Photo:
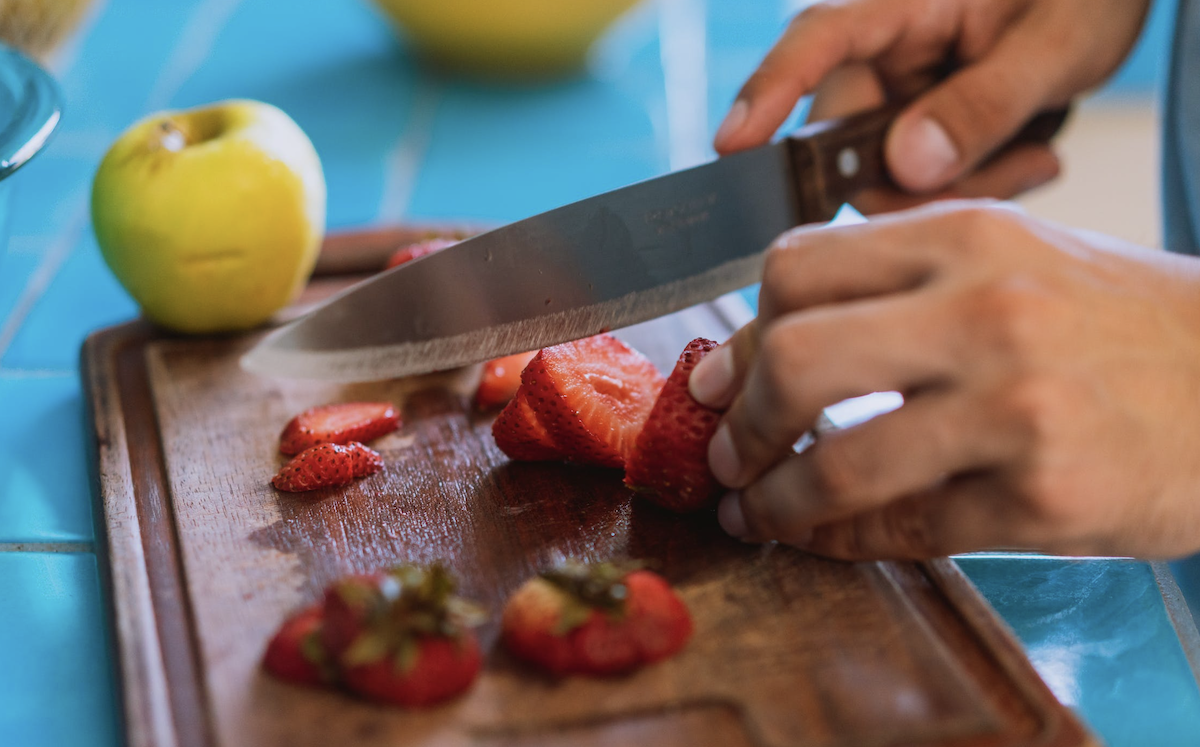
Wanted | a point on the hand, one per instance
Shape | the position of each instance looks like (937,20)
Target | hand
(1013,59)
(1051,382)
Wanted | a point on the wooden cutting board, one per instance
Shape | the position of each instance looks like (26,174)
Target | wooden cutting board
(204,559)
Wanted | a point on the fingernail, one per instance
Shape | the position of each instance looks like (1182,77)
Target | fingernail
(712,377)
(723,458)
(924,157)
(733,121)
(731,518)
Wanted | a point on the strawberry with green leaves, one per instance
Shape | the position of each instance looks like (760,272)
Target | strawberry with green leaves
(669,464)
(296,654)
(599,619)
(327,466)
(338,424)
(402,636)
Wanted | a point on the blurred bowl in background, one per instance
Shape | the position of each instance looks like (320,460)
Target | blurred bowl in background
(38,27)
(505,37)
(30,108)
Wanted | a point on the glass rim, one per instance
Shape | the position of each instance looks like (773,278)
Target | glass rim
(36,115)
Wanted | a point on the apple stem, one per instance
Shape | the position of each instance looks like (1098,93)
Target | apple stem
(173,138)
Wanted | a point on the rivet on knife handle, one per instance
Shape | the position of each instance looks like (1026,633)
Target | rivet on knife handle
(835,159)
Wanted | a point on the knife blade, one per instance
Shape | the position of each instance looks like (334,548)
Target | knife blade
(606,262)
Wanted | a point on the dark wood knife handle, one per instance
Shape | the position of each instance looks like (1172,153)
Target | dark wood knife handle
(835,159)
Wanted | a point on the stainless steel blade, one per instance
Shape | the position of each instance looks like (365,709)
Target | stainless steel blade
(599,264)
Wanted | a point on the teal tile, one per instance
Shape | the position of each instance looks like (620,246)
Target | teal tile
(503,153)
(84,296)
(56,675)
(1098,633)
(44,486)
(352,92)
(17,264)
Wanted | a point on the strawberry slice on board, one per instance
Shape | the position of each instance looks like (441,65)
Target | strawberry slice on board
(327,466)
(600,619)
(402,636)
(417,250)
(669,463)
(520,436)
(338,424)
(592,396)
(295,654)
(500,380)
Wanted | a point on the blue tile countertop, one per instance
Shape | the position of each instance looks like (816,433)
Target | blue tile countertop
(399,142)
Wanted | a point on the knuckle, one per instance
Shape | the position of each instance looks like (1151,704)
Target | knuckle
(836,478)
(1012,314)
(1039,407)
(784,358)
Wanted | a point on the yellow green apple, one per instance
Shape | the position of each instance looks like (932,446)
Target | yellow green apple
(211,218)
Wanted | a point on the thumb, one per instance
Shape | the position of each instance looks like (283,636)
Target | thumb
(719,376)
(962,121)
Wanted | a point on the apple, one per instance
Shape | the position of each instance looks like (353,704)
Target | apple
(211,218)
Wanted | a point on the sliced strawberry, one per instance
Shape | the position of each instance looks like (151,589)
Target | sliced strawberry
(338,424)
(295,653)
(440,669)
(418,250)
(592,396)
(402,636)
(500,381)
(326,466)
(596,620)
(669,464)
(519,434)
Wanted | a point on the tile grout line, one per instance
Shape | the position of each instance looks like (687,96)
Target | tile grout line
(683,46)
(64,547)
(199,35)
(42,277)
(404,159)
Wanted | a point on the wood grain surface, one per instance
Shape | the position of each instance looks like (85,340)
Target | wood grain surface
(204,559)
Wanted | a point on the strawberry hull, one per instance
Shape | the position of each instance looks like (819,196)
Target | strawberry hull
(443,669)
(654,624)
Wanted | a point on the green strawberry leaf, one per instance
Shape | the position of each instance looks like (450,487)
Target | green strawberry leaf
(368,648)
(406,655)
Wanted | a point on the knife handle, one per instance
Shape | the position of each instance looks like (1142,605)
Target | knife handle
(835,159)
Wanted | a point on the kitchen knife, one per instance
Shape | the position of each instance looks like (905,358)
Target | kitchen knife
(603,263)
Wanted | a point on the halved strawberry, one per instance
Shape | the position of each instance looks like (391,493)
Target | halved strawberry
(601,619)
(500,381)
(327,466)
(338,424)
(669,464)
(402,636)
(295,654)
(519,434)
(418,250)
(592,396)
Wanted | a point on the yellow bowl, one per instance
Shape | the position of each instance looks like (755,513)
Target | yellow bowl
(505,37)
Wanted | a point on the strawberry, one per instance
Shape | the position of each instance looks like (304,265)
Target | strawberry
(402,636)
(327,466)
(669,464)
(600,619)
(592,396)
(500,381)
(418,250)
(338,424)
(519,434)
(295,654)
